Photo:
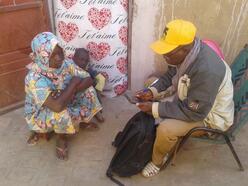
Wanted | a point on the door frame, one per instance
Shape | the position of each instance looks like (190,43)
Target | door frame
(10,8)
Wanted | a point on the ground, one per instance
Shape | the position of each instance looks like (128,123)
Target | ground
(199,163)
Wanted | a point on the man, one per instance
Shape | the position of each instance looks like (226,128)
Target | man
(199,82)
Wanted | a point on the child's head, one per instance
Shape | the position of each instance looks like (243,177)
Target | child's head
(81,57)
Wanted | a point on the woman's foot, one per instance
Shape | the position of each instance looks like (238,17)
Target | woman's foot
(89,126)
(61,147)
(33,138)
(99,117)
(46,136)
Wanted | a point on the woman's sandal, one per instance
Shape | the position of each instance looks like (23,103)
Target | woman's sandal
(89,126)
(33,139)
(150,170)
(99,117)
(62,152)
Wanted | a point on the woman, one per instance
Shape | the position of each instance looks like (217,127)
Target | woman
(75,100)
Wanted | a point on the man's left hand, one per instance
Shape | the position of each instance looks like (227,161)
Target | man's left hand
(145,107)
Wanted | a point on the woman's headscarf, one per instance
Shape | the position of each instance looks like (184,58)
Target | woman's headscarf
(42,46)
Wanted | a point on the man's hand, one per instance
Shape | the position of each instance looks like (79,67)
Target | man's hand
(144,95)
(145,107)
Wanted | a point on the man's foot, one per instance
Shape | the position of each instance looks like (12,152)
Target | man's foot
(99,117)
(150,170)
(61,148)
(33,138)
(89,126)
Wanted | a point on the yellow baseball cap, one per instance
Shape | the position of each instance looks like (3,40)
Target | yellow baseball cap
(177,32)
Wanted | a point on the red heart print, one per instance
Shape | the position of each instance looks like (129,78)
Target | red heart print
(124,3)
(99,19)
(123,34)
(122,65)
(120,89)
(68,3)
(67,31)
(98,51)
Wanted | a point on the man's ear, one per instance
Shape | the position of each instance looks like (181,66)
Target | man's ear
(187,48)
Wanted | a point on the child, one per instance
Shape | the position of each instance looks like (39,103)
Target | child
(81,58)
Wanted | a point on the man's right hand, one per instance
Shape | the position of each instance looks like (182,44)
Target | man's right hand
(144,95)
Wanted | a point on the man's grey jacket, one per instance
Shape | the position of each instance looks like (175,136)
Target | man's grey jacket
(205,92)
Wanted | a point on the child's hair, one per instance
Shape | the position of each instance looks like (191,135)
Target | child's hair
(81,57)
(81,51)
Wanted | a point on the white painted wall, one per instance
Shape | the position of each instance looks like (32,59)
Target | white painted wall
(225,21)
(142,57)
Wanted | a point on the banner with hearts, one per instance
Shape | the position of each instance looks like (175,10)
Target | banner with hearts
(101,28)
(98,51)
(67,31)
(124,3)
(123,34)
(99,18)
(68,3)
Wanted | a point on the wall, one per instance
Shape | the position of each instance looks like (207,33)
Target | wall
(50,10)
(225,21)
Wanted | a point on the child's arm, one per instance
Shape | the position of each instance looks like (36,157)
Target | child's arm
(85,83)
(100,82)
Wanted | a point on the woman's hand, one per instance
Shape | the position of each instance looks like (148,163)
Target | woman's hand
(144,95)
(75,81)
(84,84)
(56,93)
(145,107)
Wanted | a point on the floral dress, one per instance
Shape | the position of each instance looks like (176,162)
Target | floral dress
(40,118)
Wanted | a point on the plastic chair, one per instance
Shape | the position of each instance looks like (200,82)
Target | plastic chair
(240,82)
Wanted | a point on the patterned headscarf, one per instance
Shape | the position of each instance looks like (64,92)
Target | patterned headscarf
(42,46)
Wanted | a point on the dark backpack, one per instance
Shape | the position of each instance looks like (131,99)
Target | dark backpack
(133,147)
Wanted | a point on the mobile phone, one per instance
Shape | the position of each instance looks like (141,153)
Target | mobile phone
(130,97)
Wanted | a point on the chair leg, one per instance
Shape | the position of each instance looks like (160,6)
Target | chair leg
(234,152)
(176,149)
(185,138)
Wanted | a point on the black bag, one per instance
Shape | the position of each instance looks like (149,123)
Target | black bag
(134,147)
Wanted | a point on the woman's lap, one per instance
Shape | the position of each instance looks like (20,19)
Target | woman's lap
(48,121)
(82,109)
(85,105)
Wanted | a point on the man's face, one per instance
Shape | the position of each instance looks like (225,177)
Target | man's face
(81,60)
(176,56)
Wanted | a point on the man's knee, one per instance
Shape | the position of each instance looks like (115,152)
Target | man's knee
(163,133)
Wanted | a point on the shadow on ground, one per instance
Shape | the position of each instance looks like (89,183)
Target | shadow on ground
(199,163)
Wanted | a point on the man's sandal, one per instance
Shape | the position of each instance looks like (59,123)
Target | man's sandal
(150,170)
